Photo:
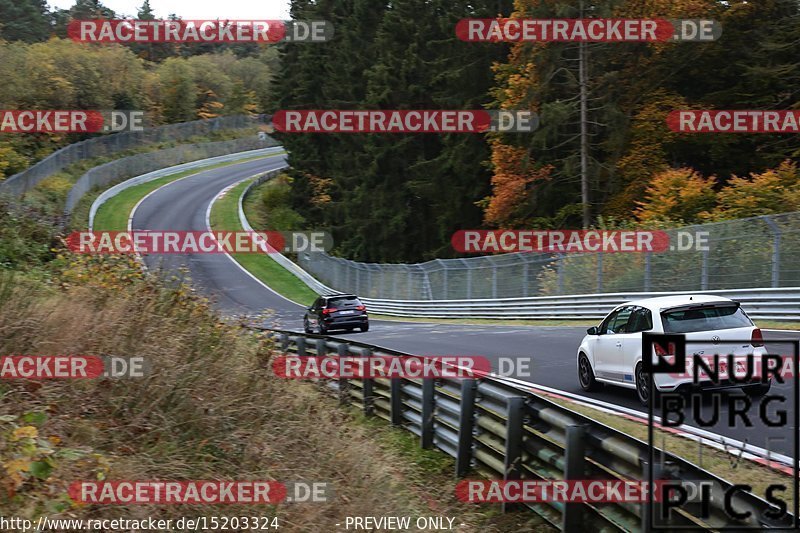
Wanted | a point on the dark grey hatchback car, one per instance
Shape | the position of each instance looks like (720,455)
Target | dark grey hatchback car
(342,311)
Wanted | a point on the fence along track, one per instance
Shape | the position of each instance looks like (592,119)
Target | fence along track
(104,145)
(760,303)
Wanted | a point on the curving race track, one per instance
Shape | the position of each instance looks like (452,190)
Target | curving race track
(183,205)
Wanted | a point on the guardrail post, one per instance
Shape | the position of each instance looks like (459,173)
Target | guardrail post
(466,425)
(283,338)
(647,521)
(368,384)
(428,390)
(344,385)
(322,347)
(513,453)
(574,469)
(396,401)
(301,346)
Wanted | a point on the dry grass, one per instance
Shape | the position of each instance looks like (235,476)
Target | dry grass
(209,409)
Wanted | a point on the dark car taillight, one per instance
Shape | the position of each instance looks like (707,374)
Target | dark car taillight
(362,307)
(756,338)
(329,310)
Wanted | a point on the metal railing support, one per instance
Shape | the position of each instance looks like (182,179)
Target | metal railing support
(344,385)
(396,400)
(428,391)
(574,469)
(466,426)
(512,460)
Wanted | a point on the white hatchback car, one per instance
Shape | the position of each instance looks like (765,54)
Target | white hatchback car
(612,352)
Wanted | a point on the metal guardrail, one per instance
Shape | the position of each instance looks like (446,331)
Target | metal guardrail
(764,304)
(135,165)
(501,430)
(156,174)
(279,258)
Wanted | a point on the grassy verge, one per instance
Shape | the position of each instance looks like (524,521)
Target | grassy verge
(724,465)
(209,408)
(776,324)
(209,405)
(225,217)
(113,214)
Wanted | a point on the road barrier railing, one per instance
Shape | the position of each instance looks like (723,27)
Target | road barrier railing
(166,171)
(764,304)
(279,258)
(135,165)
(501,430)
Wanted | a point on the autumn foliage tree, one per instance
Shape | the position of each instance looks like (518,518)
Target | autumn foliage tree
(513,182)
(679,195)
(772,191)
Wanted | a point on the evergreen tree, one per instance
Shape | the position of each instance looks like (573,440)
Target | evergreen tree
(25,20)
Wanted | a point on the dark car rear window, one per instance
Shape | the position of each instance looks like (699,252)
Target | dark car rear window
(704,319)
(347,301)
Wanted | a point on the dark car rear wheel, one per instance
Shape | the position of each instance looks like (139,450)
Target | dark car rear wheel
(364,328)
(322,329)
(306,327)
(586,374)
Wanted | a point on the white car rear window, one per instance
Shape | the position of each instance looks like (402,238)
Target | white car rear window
(704,319)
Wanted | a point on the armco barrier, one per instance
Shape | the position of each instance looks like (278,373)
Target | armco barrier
(156,174)
(772,304)
(503,431)
(126,167)
(279,258)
